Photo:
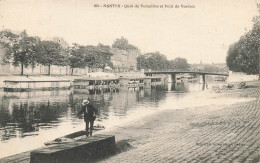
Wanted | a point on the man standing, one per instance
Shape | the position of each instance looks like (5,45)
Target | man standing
(89,115)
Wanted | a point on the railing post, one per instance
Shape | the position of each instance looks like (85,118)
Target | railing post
(203,86)
(204,81)
(204,78)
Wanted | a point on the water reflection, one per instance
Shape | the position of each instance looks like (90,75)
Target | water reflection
(33,114)
(27,116)
(180,87)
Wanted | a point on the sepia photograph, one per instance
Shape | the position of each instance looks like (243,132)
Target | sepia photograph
(120,81)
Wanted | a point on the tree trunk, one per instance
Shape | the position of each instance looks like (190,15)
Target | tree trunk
(21,69)
(72,71)
(49,71)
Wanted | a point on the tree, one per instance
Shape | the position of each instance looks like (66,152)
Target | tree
(7,41)
(123,44)
(20,48)
(105,50)
(142,62)
(104,55)
(153,61)
(50,53)
(77,57)
(214,68)
(256,35)
(33,58)
(243,56)
(179,63)
(91,57)
(98,56)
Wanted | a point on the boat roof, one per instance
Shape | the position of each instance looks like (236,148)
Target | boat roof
(144,77)
(36,79)
(96,78)
(153,77)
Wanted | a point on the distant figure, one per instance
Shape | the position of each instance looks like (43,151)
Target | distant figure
(89,116)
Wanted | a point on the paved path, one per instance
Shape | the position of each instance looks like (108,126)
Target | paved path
(229,134)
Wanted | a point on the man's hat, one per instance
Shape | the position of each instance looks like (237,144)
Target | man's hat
(85,102)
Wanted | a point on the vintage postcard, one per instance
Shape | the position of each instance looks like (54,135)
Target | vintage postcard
(129,81)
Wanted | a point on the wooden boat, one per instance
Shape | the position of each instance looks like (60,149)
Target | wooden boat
(70,137)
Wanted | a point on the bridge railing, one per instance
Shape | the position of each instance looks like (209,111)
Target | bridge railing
(167,70)
(186,70)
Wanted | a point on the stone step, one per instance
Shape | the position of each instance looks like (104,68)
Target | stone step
(95,146)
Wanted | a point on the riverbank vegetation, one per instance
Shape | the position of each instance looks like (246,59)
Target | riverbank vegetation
(243,55)
(157,61)
(24,50)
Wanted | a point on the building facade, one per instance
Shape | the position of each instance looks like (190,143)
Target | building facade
(61,41)
(124,60)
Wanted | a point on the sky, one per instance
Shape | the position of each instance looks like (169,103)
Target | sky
(203,33)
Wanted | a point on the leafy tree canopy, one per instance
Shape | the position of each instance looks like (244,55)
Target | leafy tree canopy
(123,44)
(157,61)
(91,56)
(179,63)
(77,56)
(7,41)
(20,47)
(49,53)
(153,61)
(243,55)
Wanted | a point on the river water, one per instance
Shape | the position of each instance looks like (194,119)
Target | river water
(29,119)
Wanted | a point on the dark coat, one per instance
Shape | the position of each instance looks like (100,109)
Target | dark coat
(89,112)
